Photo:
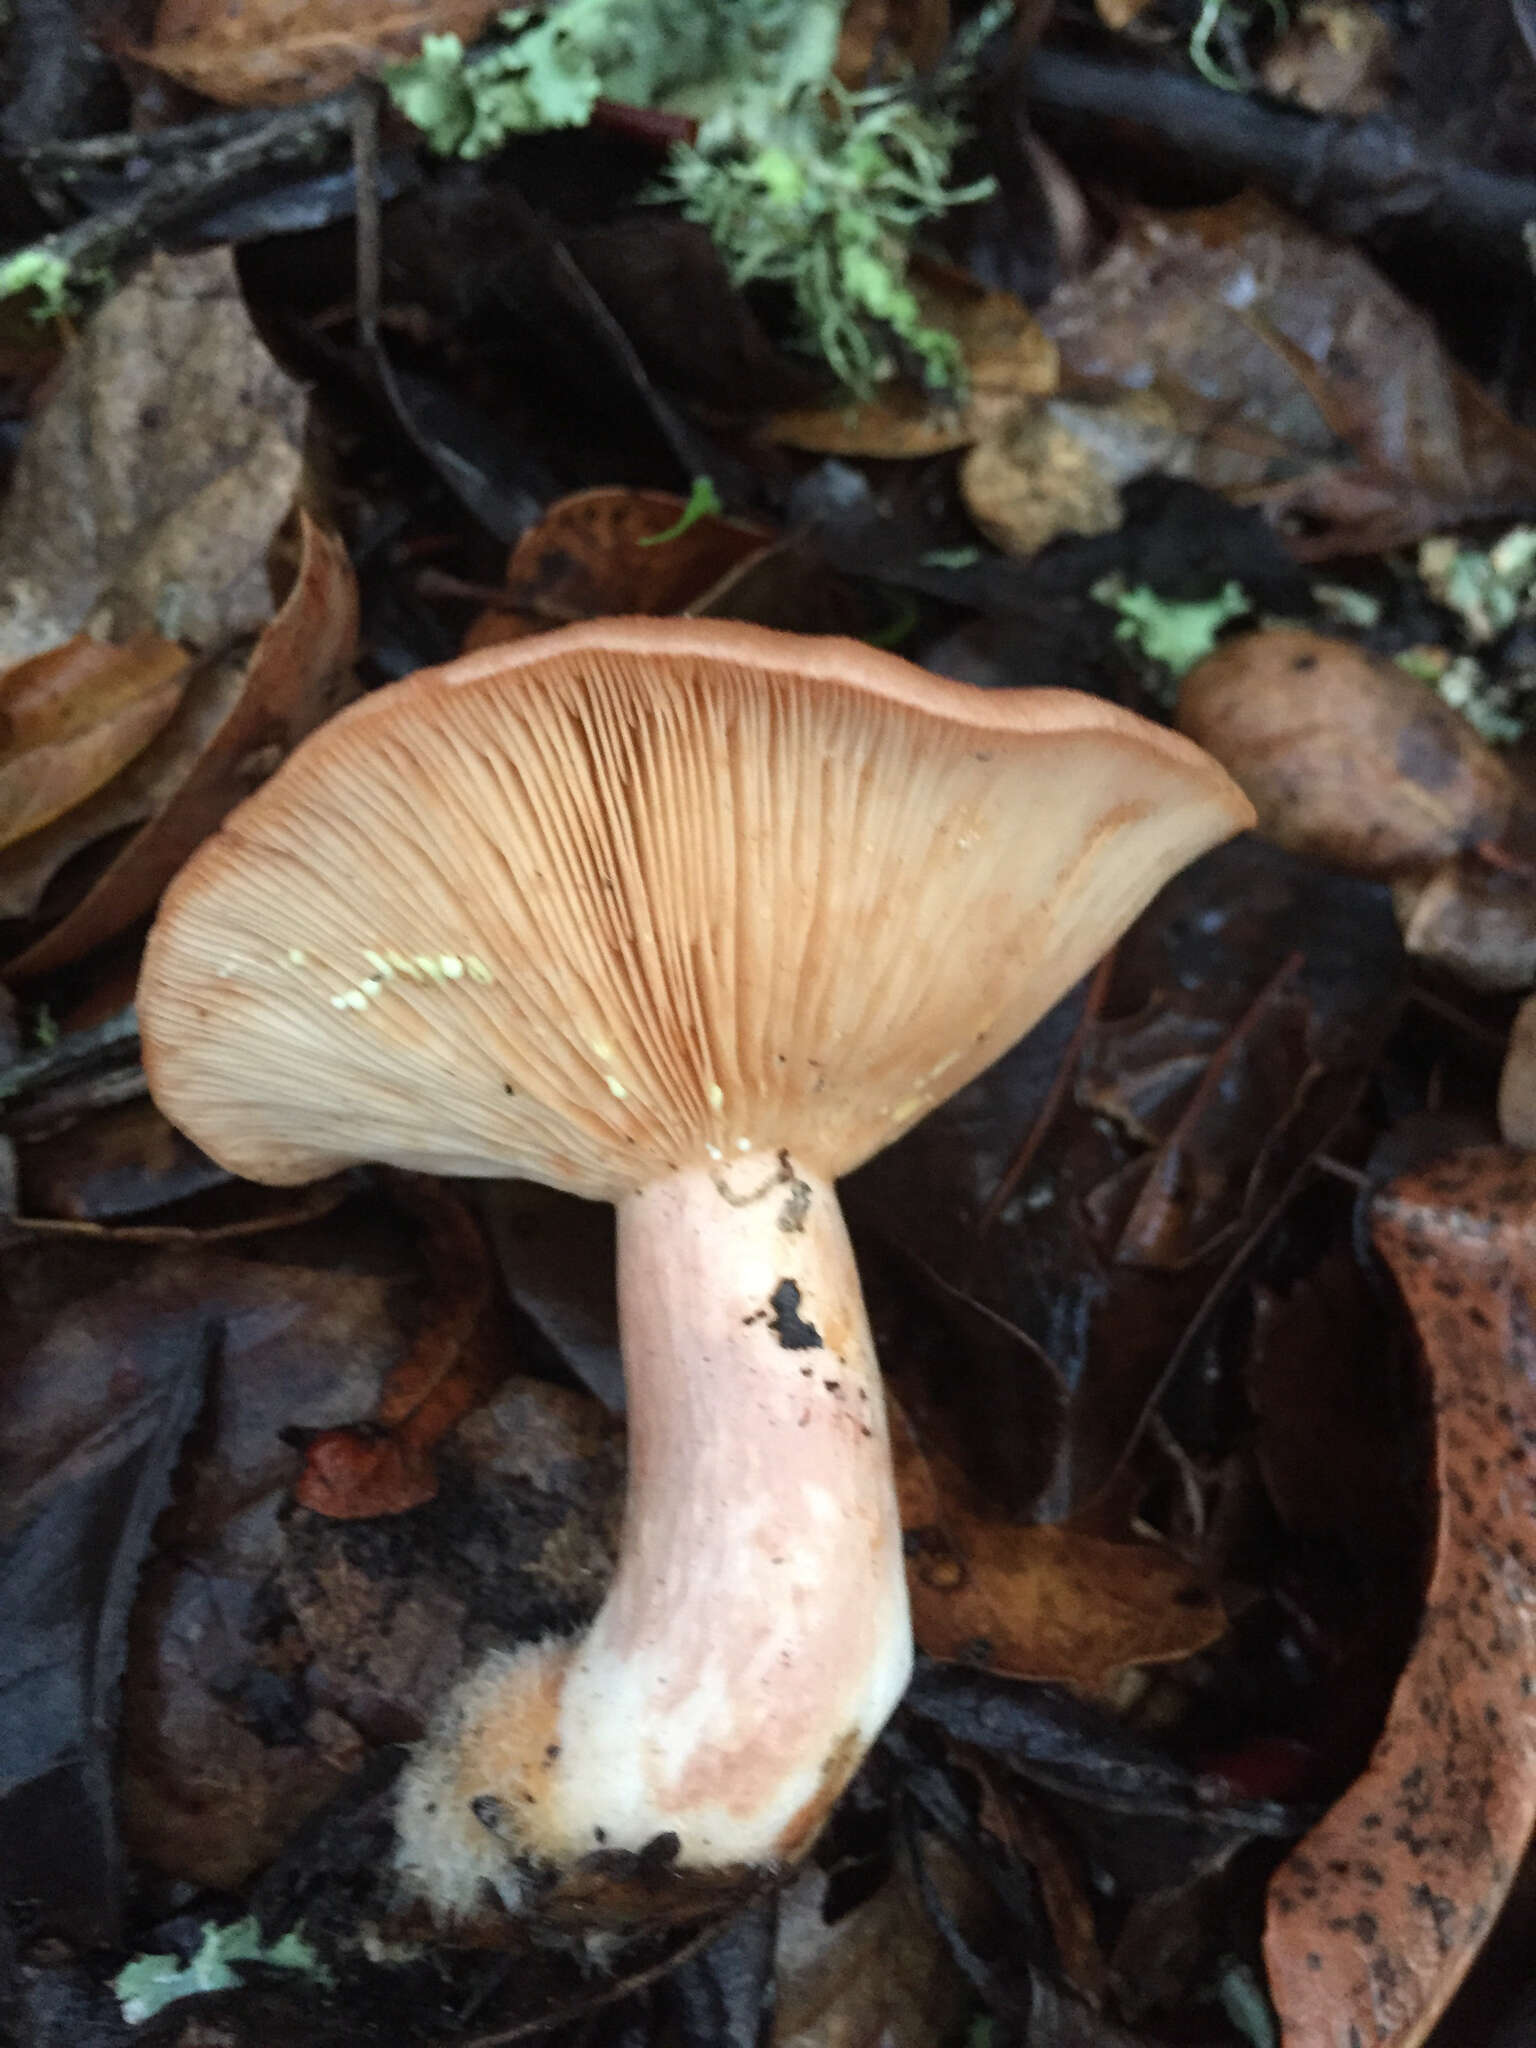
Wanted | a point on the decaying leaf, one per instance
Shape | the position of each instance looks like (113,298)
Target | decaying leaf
(881,1976)
(98,1405)
(1346,757)
(269,53)
(241,713)
(155,493)
(605,552)
(1036,1601)
(1374,1919)
(1007,358)
(1034,479)
(71,718)
(149,487)
(387,1466)
(1298,375)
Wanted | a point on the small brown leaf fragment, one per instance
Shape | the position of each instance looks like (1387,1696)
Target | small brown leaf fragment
(71,718)
(1375,1918)
(1033,479)
(1345,757)
(270,53)
(1038,1602)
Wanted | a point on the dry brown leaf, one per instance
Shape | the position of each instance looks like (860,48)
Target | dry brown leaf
(1119,14)
(149,487)
(596,553)
(1274,345)
(1007,358)
(1375,1917)
(1345,757)
(71,718)
(238,719)
(1037,1602)
(271,53)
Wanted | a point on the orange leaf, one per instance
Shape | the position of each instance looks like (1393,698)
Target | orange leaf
(1375,1917)
(71,718)
(271,53)
(238,720)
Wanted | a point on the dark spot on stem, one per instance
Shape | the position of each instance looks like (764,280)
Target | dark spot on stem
(787,1323)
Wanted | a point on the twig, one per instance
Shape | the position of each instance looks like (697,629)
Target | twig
(1065,1073)
(370,240)
(192,181)
(1351,176)
(71,1057)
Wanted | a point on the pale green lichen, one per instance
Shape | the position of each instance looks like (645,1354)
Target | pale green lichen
(798,181)
(1174,632)
(148,1984)
(38,270)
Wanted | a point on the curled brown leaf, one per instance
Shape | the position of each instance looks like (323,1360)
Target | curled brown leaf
(1375,1917)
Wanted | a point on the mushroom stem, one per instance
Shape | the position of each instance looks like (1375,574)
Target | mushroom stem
(755,1636)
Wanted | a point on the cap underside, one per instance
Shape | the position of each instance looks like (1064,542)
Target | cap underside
(598,914)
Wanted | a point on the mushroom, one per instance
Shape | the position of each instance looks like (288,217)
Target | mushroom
(691,917)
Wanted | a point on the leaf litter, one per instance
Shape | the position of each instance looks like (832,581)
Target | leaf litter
(279,1470)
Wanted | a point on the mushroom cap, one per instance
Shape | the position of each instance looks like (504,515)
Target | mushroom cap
(643,894)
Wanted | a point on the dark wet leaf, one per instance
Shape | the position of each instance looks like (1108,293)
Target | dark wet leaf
(723,1997)
(79,1509)
(1067,1746)
(556,1259)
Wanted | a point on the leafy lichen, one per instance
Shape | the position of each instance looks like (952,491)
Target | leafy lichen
(798,181)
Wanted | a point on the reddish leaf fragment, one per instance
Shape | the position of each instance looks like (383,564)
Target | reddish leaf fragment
(384,1466)
(598,553)
(1375,1918)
